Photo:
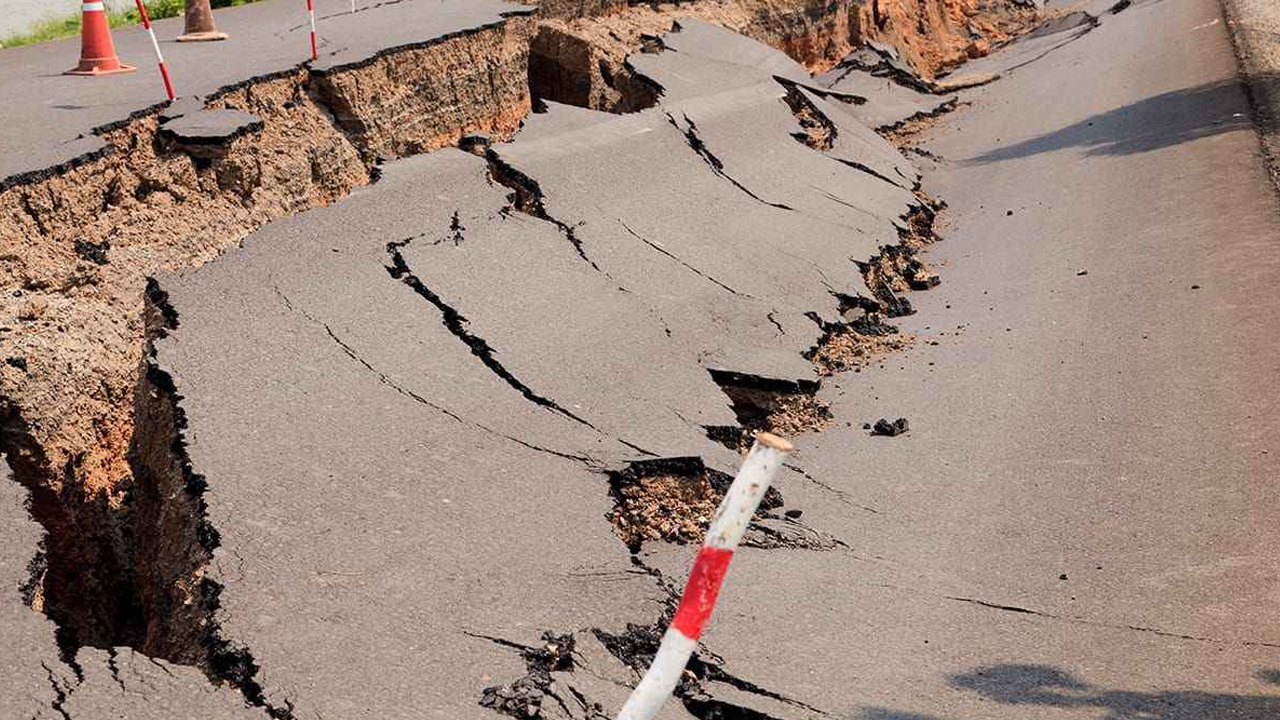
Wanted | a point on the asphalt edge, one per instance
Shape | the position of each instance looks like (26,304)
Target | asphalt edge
(1258,62)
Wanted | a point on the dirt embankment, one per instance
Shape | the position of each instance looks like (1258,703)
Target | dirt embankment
(579,54)
(934,36)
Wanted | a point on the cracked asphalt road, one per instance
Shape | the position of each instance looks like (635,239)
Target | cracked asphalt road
(403,406)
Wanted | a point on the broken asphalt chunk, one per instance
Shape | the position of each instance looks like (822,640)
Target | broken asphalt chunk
(890,429)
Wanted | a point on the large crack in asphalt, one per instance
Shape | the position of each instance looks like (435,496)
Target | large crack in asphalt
(695,143)
(555,665)
(400,389)
(456,324)
(526,197)
(182,598)
(677,259)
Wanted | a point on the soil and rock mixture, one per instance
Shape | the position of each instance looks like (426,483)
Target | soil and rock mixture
(855,346)
(581,59)
(672,500)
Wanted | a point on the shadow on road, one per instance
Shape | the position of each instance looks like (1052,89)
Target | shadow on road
(1045,686)
(1153,123)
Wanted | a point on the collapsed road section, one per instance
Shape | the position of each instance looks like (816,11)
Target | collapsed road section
(490,337)
(471,365)
(486,339)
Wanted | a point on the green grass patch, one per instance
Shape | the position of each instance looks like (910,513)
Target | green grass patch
(54,28)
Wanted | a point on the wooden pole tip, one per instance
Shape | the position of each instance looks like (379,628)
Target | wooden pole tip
(773,441)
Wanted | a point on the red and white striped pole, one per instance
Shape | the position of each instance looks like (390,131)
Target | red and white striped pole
(164,69)
(699,599)
(311,15)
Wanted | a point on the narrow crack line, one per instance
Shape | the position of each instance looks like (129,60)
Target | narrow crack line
(164,668)
(114,666)
(859,166)
(775,322)
(584,459)
(501,641)
(837,199)
(696,144)
(456,324)
(60,693)
(386,380)
(382,377)
(671,255)
(841,495)
(351,353)
(637,448)
(1115,626)
(664,584)
(456,230)
(528,198)
(581,699)
(719,674)
(1093,25)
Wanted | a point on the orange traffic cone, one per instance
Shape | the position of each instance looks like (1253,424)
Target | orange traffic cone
(97,52)
(199,23)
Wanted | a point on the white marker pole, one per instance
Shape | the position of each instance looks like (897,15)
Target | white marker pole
(699,599)
(164,69)
(311,17)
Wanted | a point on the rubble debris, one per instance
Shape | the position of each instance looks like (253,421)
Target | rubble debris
(670,499)
(523,698)
(899,133)
(817,130)
(897,269)
(599,667)
(855,345)
(782,407)
(890,429)
(580,64)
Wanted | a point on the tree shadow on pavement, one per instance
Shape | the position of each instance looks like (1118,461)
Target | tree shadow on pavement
(1153,123)
(1046,686)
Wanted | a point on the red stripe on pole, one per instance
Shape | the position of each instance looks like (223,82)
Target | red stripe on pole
(168,83)
(700,593)
(315,52)
(142,10)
